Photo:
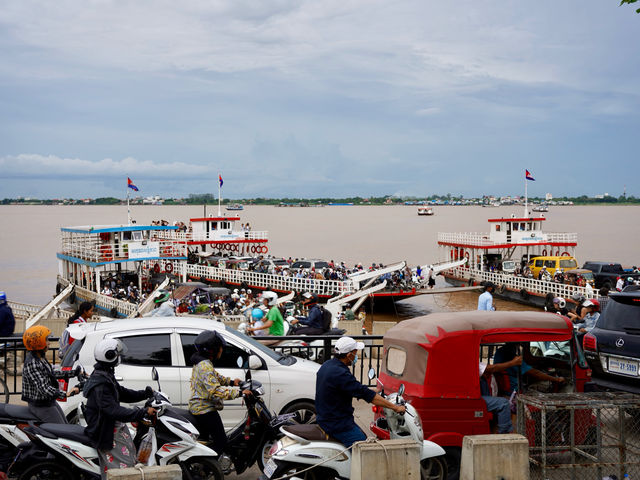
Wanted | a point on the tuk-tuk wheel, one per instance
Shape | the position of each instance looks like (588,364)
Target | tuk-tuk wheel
(452,458)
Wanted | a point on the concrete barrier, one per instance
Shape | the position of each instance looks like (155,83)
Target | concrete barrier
(491,457)
(397,459)
(167,472)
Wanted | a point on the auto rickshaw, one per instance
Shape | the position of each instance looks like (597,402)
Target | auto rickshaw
(437,357)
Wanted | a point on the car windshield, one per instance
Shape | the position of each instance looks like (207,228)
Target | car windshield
(280,262)
(321,265)
(619,316)
(256,345)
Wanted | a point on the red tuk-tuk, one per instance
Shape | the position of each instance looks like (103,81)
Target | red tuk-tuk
(437,357)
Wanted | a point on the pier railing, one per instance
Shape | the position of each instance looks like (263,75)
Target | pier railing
(92,249)
(513,282)
(264,280)
(483,240)
(316,348)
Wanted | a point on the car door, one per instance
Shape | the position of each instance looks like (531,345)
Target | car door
(145,350)
(234,410)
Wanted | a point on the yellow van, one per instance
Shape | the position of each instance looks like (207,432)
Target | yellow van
(552,263)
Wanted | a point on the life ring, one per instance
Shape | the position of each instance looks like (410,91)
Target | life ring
(166,251)
(156,268)
(234,247)
(106,254)
(168,267)
(566,254)
(544,253)
(502,288)
(252,249)
(524,295)
(557,253)
(265,249)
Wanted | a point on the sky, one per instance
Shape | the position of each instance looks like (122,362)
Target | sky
(294,98)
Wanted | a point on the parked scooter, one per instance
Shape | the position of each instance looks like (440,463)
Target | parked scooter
(64,451)
(305,446)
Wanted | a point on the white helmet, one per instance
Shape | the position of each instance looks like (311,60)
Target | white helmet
(109,351)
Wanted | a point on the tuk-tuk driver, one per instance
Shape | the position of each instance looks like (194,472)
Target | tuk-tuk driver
(336,387)
(499,406)
(508,352)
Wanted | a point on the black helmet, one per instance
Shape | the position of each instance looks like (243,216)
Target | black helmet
(208,342)
(309,298)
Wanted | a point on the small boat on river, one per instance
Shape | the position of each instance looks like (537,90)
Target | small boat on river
(425,211)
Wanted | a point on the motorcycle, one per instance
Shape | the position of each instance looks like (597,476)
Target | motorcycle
(305,446)
(64,451)
(14,419)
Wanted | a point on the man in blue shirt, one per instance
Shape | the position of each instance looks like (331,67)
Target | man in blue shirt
(485,301)
(336,387)
(7,320)
(313,324)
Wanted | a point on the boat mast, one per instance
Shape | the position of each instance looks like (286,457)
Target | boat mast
(128,208)
(526,209)
(219,190)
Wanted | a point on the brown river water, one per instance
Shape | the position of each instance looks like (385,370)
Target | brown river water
(30,238)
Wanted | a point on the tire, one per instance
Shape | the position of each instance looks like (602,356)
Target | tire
(201,468)
(434,468)
(452,460)
(263,456)
(46,471)
(524,295)
(305,412)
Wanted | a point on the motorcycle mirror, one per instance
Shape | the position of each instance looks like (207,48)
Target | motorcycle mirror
(401,390)
(156,377)
(240,363)
(372,373)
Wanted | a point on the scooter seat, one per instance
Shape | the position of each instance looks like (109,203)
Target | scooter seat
(17,413)
(183,413)
(311,432)
(65,430)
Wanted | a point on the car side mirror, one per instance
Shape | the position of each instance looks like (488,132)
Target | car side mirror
(254,362)
(401,390)
(154,374)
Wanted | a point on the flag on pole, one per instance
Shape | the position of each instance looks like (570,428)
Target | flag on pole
(220,179)
(528,176)
(131,185)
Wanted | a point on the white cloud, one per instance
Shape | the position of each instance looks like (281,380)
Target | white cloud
(34,165)
(428,111)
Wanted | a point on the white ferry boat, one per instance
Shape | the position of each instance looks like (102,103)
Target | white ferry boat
(512,240)
(92,257)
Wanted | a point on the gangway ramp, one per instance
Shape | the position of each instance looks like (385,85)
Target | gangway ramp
(46,311)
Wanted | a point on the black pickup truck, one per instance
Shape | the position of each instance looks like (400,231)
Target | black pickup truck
(605,274)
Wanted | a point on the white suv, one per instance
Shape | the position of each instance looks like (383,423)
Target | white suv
(167,344)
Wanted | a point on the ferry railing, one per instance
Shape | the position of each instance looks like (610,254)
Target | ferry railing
(560,237)
(513,282)
(104,304)
(96,251)
(466,238)
(264,280)
(236,235)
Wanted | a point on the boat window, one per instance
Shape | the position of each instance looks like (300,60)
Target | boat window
(497,228)
(213,225)
(137,236)
(522,226)
(396,361)
(146,350)
(126,235)
(515,227)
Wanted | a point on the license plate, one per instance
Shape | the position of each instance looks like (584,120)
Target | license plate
(624,367)
(270,468)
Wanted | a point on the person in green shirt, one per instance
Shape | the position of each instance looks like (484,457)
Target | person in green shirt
(274,321)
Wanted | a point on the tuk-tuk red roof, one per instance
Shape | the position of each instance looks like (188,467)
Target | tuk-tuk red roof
(443,349)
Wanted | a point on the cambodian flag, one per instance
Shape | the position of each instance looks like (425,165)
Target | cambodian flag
(220,179)
(131,185)
(528,176)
